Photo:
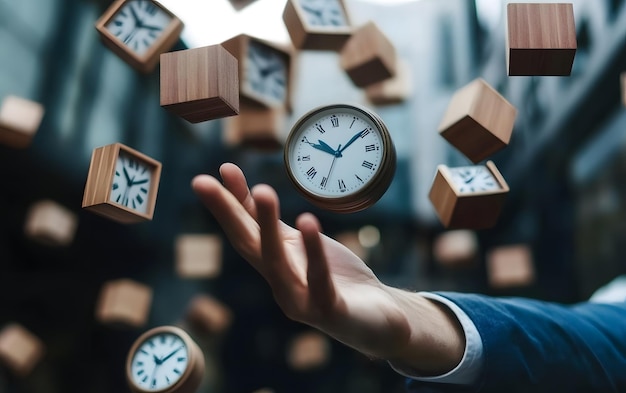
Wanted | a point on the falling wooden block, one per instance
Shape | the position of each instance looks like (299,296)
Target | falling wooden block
(623,79)
(198,256)
(393,90)
(20,350)
(209,315)
(478,121)
(200,84)
(510,266)
(368,56)
(541,39)
(308,350)
(50,223)
(124,302)
(256,127)
(455,248)
(19,121)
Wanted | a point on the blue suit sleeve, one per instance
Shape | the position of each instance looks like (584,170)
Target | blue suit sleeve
(535,346)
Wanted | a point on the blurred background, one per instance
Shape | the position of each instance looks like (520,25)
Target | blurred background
(562,221)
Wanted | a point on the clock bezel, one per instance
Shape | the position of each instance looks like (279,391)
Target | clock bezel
(371,191)
(491,167)
(192,376)
(307,36)
(147,62)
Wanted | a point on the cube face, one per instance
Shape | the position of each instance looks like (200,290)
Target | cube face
(541,39)
(393,90)
(258,128)
(368,56)
(209,315)
(456,248)
(304,36)
(20,350)
(308,350)
(198,256)
(50,223)
(124,302)
(200,84)
(479,121)
(19,121)
(510,266)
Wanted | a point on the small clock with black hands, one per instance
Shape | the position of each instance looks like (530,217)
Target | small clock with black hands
(165,360)
(350,177)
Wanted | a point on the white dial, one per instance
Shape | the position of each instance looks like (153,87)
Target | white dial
(266,73)
(473,179)
(138,24)
(159,362)
(324,12)
(131,183)
(336,152)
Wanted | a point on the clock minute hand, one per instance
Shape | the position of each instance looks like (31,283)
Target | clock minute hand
(171,354)
(351,141)
(139,182)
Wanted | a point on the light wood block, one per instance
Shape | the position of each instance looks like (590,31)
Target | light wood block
(308,351)
(198,256)
(256,127)
(510,266)
(19,121)
(541,39)
(200,84)
(478,121)
(394,90)
(368,56)
(50,223)
(456,248)
(623,80)
(124,302)
(305,36)
(20,350)
(209,315)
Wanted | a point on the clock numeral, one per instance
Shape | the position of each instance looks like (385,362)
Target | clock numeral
(365,132)
(115,186)
(320,128)
(311,172)
(342,185)
(151,9)
(369,148)
(324,182)
(140,201)
(334,121)
(145,378)
(358,178)
(144,190)
(177,371)
(181,359)
(144,352)
(367,164)
(304,158)
(151,343)
(140,372)
(353,120)
(167,379)
(163,338)
(153,382)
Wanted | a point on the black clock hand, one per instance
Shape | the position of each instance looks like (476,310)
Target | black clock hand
(139,182)
(157,361)
(270,70)
(329,149)
(314,11)
(171,354)
(354,138)
(322,146)
(148,27)
(129,181)
(138,21)
(469,180)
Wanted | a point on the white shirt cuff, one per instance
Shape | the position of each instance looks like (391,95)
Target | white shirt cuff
(469,368)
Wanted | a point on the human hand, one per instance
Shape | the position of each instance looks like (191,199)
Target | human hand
(318,281)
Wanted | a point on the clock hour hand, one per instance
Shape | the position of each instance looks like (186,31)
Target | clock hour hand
(129,181)
(135,16)
(323,146)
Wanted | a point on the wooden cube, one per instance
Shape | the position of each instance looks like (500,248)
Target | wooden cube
(256,127)
(308,350)
(198,256)
(209,315)
(19,121)
(20,350)
(368,56)
(510,266)
(455,248)
(124,302)
(50,223)
(541,39)
(393,90)
(623,79)
(200,84)
(478,121)
(331,34)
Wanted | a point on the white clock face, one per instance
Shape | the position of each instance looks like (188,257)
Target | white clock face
(473,179)
(138,24)
(131,183)
(266,73)
(336,152)
(159,362)
(324,13)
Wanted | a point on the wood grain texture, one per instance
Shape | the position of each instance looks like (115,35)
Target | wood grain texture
(394,90)
(541,39)
(257,128)
(19,121)
(466,211)
(306,37)
(147,62)
(368,56)
(200,84)
(50,223)
(510,266)
(20,350)
(209,315)
(124,302)
(478,121)
(97,195)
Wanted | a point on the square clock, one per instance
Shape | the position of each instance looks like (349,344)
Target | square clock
(122,184)
(138,31)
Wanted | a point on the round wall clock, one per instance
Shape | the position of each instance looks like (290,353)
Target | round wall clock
(340,157)
(164,360)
